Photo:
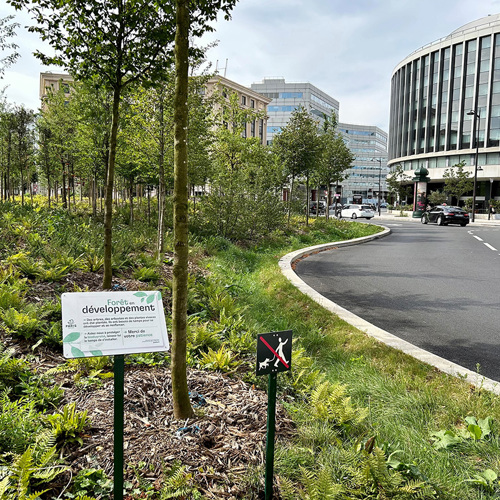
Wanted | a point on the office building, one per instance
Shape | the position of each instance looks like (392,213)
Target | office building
(367,176)
(287,97)
(445,108)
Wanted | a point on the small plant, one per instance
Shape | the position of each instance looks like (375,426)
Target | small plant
(178,483)
(68,425)
(487,480)
(147,274)
(36,465)
(21,324)
(91,482)
(222,360)
(475,430)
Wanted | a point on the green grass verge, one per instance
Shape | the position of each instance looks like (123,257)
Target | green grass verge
(406,399)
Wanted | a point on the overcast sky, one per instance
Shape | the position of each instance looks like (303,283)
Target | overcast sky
(347,48)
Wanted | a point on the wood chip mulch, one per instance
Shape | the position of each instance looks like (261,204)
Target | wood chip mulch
(218,446)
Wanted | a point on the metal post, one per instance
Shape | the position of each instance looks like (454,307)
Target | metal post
(379,182)
(477,117)
(271,429)
(119,364)
(489,201)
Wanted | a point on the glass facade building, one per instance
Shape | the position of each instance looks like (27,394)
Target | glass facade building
(445,107)
(287,97)
(368,173)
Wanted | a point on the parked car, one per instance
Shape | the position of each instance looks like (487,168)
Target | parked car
(357,212)
(443,215)
(313,207)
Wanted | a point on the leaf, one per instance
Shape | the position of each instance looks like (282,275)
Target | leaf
(96,353)
(150,298)
(445,439)
(475,431)
(140,294)
(485,424)
(77,353)
(489,475)
(71,337)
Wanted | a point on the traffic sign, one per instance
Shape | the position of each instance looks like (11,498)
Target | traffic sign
(274,352)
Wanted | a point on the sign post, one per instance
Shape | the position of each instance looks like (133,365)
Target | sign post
(114,324)
(274,354)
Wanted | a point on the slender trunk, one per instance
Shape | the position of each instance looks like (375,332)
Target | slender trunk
(108,206)
(290,200)
(182,404)
(161,184)
(131,197)
(307,200)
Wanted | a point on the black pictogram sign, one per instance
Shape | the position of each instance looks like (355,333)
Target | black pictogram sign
(274,352)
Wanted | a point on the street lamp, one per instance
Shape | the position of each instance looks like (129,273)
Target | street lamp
(379,181)
(475,135)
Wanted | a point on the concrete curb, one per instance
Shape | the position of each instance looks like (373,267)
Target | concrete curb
(286,263)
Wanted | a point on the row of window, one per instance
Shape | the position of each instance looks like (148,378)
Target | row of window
(432,95)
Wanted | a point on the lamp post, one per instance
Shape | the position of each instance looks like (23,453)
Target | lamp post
(489,201)
(379,181)
(475,135)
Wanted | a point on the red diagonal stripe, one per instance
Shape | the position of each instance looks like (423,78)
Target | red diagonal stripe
(274,352)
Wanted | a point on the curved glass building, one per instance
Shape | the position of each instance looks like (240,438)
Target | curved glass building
(445,107)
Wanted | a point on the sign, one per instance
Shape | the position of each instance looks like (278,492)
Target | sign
(111,323)
(274,352)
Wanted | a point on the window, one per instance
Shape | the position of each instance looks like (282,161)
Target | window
(252,103)
(244,100)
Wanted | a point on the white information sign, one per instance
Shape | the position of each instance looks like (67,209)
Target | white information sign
(110,323)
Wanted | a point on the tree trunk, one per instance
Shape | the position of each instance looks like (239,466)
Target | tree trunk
(160,246)
(108,205)
(307,200)
(182,404)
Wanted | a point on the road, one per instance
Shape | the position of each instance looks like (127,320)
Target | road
(436,287)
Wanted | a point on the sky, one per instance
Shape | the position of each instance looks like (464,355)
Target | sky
(348,49)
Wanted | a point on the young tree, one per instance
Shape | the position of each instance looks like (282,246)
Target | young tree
(457,181)
(298,147)
(121,42)
(397,182)
(336,159)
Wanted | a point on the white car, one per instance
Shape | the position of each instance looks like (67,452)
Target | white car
(357,212)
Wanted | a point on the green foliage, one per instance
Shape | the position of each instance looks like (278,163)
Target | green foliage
(329,403)
(486,480)
(222,360)
(37,465)
(19,424)
(147,274)
(178,483)
(69,424)
(436,198)
(91,482)
(21,323)
(475,430)
(457,181)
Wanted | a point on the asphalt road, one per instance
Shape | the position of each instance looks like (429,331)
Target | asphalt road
(437,287)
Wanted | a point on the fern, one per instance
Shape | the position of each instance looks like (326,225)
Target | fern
(69,424)
(178,483)
(36,465)
(330,403)
(222,360)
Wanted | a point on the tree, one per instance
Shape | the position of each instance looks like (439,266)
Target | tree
(336,158)
(298,147)
(397,182)
(7,31)
(195,22)
(457,181)
(122,42)
(436,198)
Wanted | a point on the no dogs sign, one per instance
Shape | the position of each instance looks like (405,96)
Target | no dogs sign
(274,352)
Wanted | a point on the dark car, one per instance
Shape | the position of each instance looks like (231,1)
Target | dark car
(444,214)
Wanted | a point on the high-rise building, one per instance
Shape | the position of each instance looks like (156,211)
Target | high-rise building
(287,97)
(366,182)
(445,108)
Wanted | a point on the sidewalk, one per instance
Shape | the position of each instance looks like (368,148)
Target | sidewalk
(479,220)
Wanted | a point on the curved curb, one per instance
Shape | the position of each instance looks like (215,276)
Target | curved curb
(286,265)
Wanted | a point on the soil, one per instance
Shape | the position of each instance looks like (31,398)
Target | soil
(221,446)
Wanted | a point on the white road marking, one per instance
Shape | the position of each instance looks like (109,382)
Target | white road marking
(478,238)
(490,247)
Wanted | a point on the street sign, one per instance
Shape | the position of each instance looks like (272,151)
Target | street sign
(274,352)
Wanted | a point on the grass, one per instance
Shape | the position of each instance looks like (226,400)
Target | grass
(407,400)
